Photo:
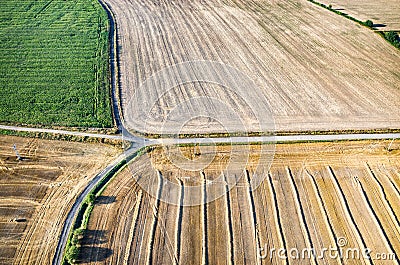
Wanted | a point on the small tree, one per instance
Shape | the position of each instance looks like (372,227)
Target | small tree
(330,6)
(392,36)
(90,198)
(72,254)
(369,23)
(79,233)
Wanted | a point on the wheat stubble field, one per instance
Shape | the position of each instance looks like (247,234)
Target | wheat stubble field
(37,193)
(313,196)
(315,69)
(384,13)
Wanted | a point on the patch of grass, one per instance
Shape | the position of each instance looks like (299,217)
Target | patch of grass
(54,63)
(62,137)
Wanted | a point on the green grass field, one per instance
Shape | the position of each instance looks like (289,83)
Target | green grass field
(54,63)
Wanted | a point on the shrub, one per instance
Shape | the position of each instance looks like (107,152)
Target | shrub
(393,38)
(369,23)
(72,254)
(90,199)
(79,233)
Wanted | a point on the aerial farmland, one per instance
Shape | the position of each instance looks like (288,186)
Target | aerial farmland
(37,192)
(54,64)
(199,132)
(312,196)
(312,68)
(385,16)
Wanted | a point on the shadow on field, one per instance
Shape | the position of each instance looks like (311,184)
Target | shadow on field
(90,250)
(94,237)
(105,199)
(93,254)
(379,25)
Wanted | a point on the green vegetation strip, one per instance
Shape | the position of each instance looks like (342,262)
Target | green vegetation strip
(391,36)
(257,134)
(61,137)
(73,245)
(54,63)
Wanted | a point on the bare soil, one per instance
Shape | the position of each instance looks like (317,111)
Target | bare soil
(385,15)
(37,193)
(315,195)
(313,69)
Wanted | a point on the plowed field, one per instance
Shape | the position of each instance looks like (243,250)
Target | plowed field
(315,70)
(314,196)
(37,193)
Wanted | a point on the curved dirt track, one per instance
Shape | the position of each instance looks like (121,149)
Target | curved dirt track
(315,70)
(314,195)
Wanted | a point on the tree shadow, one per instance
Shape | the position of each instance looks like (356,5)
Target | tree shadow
(91,236)
(338,9)
(90,251)
(105,199)
(379,25)
(93,254)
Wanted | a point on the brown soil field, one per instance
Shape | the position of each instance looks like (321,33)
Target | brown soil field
(313,69)
(37,193)
(313,196)
(383,13)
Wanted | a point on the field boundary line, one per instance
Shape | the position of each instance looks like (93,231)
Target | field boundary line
(179,216)
(300,213)
(393,184)
(347,211)
(155,207)
(276,214)
(62,132)
(228,217)
(253,214)
(133,227)
(384,197)
(204,255)
(377,221)
(114,66)
(325,214)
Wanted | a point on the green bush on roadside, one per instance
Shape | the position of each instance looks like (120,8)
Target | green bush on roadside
(369,23)
(90,199)
(72,254)
(393,38)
